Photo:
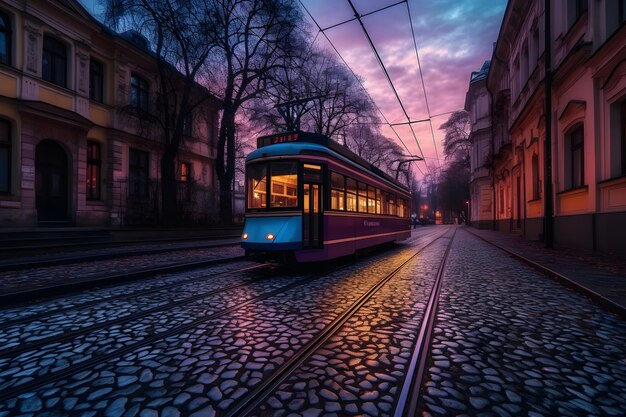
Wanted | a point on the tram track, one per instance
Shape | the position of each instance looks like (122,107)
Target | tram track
(38,316)
(250,403)
(567,282)
(32,263)
(409,394)
(73,286)
(69,335)
(98,358)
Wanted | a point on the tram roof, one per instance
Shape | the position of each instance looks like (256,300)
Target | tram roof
(293,143)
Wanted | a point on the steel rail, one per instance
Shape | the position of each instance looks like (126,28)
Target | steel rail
(409,394)
(97,359)
(48,313)
(245,406)
(39,263)
(52,290)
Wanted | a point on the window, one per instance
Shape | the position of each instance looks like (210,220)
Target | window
(138,173)
(350,194)
(371,199)
(5,39)
(284,180)
(94,163)
(577,157)
(362,198)
(536,182)
(96,80)
(184,172)
(391,204)
(257,186)
(5,156)
(337,192)
(54,62)
(378,200)
(139,93)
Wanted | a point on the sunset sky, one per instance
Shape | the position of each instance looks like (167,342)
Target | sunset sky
(453,37)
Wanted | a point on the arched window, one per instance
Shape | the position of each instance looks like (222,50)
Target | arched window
(54,62)
(5,39)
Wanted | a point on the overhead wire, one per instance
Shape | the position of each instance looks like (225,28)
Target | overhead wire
(354,74)
(389,80)
(419,66)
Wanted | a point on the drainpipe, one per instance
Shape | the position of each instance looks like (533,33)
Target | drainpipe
(548,221)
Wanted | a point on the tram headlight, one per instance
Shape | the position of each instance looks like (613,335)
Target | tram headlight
(244,236)
(269,236)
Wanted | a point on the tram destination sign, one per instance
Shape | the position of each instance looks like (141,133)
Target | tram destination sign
(287,137)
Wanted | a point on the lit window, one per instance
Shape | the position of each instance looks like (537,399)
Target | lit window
(257,186)
(338,192)
(94,163)
(184,172)
(284,180)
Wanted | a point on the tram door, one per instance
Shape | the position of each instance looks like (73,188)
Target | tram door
(312,215)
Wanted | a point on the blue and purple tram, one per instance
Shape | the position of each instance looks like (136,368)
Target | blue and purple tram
(310,199)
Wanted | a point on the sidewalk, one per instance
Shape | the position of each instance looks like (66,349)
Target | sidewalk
(601,274)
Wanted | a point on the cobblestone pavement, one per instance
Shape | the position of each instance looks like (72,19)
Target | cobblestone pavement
(13,281)
(507,342)
(360,369)
(199,371)
(510,342)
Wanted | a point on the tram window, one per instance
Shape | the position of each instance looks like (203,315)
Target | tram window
(338,191)
(362,202)
(391,204)
(257,186)
(312,173)
(350,194)
(371,199)
(378,200)
(400,207)
(284,180)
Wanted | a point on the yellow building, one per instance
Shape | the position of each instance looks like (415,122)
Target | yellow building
(587,45)
(74,147)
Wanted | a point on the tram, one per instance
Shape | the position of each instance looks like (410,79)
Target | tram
(310,199)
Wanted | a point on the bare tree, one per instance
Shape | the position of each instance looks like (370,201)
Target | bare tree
(456,143)
(181,47)
(454,180)
(251,38)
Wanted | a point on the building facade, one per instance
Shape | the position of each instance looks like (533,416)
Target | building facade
(587,154)
(75,145)
(478,107)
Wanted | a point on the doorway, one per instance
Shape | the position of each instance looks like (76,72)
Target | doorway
(51,182)
(312,214)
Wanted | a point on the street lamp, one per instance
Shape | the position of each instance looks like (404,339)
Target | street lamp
(469,213)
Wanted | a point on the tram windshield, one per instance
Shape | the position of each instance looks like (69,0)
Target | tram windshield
(283,185)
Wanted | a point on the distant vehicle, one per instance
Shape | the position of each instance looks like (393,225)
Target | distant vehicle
(311,199)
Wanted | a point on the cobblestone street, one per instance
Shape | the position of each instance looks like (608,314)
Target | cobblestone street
(343,339)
